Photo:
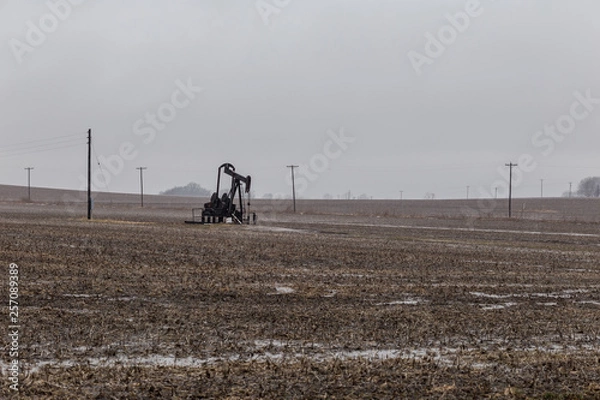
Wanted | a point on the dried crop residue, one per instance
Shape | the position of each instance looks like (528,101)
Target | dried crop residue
(168,310)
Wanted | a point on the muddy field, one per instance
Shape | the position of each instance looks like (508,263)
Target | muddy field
(137,305)
(533,209)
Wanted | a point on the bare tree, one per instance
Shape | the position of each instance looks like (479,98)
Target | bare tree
(191,189)
(589,187)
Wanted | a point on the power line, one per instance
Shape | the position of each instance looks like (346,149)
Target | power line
(571,166)
(100,166)
(424,168)
(39,145)
(38,149)
(40,141)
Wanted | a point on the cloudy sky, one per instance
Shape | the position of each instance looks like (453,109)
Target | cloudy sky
(370,97)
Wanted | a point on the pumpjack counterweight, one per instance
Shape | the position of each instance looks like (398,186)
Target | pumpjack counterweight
(223,208)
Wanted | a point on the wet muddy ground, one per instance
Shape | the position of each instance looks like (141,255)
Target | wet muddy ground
(303,307)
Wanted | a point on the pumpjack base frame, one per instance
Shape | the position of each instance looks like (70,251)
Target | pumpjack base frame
(199,219)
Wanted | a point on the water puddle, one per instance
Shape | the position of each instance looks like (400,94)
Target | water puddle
(275,350)
(81,295)
(407,302)
(490,307)
(284,290)
(596,303)
(564,294)
(275,229)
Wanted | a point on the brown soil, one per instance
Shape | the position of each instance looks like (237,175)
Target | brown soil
(137,305)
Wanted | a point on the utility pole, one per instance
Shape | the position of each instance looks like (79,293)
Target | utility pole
(496,192)
(510,165)
(468,192)
(570,189)
(142,184)
(29,183)
(401,194)
(293,185)
(541,188)
(89,188)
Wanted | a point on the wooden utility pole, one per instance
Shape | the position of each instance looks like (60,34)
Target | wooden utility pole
(142,184)
(510,165)
(293,185)
(570,189)
(29,183)
(89,188)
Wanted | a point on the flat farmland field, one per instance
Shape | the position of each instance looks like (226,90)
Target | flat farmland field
(135,304)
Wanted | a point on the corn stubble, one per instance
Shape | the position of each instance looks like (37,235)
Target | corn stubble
(160,310)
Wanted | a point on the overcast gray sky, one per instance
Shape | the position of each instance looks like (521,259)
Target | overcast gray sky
(420,96)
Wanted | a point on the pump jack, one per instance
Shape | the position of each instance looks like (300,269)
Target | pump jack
(223,209)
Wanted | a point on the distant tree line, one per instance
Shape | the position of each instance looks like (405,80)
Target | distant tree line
(192,189)
(588,187)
